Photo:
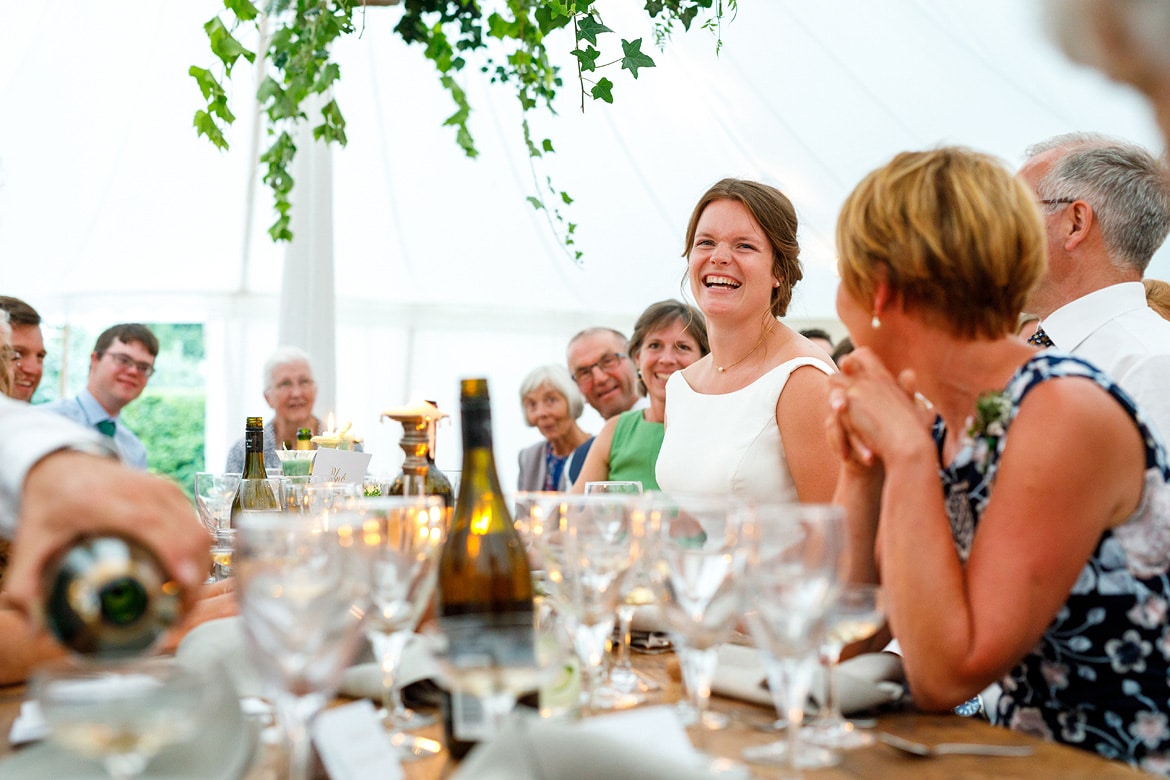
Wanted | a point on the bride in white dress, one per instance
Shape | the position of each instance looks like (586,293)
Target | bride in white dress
(748,419)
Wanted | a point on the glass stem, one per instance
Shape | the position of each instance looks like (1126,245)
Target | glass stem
(831,707)
(698,668)
(389,649)
(625,621)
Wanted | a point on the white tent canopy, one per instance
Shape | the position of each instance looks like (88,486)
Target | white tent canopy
(112,210)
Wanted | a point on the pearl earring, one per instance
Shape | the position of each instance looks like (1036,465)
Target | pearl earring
(876,322)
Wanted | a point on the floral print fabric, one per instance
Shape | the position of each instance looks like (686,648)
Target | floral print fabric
(1098,678)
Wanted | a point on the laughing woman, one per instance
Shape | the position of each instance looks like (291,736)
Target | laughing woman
(745,419)
(668,337)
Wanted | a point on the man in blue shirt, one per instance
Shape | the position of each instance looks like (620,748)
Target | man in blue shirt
(119,367)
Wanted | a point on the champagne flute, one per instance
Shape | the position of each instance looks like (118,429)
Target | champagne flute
(121,713)
(402,537)
(857,614)
(789,589)
(303,591)
(214,493)
(700,559)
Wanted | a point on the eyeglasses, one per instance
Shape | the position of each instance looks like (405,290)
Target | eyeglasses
(127,362)
(286,385)
(607,361)
(1051,201)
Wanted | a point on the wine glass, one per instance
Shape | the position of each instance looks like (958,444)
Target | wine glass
(789,589)
(121,713)
(591,538)
(303,592)
(857,614)
(700,558)
(402,537)
(321,499)
(214,493)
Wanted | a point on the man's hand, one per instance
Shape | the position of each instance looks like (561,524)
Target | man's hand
(70,494)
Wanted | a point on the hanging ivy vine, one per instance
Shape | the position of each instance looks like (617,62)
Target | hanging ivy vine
(505,39)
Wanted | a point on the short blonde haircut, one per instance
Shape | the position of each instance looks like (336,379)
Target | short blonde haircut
(1158,296)
(959,237)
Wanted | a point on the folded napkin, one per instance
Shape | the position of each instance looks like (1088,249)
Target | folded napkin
(647,743)
(863,682)
(223,640)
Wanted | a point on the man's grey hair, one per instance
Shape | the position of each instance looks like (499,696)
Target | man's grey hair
(1127,186)
(283,356)
(557,377)
(622,341)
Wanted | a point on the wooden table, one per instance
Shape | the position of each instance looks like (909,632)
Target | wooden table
(1048,761)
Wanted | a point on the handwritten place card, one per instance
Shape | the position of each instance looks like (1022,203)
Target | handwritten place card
(340,465)
(353,745)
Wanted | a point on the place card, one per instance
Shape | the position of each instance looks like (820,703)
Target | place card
(353,745)
(340,466)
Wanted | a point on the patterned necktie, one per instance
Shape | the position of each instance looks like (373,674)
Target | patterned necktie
(107,427)
(1040,338)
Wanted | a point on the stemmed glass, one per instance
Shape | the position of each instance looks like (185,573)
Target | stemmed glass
(623,679)
(322,499)
(402,537)
(121,713)
(303,592)
(587,544)
(700,558)
(789,589)
(214,493)
(857,614)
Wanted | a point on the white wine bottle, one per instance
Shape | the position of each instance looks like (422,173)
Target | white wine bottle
(255,491)
(485,585)
(109,597)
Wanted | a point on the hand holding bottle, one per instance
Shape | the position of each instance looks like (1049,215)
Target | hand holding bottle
(69,494)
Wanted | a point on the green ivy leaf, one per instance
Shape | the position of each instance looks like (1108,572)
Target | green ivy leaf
(634,58)
(206,126)
(547,145)
(589,28)
(603,90)
(587,57)
(224,46)
(243,9)
(536,202)
(208,85)
(567,201)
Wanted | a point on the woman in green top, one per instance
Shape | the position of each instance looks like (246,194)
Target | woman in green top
(670,335)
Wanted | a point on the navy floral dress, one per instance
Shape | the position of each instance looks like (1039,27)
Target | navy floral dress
(1098,678)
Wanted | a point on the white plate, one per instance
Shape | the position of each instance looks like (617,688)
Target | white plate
(223,751)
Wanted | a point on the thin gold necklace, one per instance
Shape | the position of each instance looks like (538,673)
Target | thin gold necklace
(764,335)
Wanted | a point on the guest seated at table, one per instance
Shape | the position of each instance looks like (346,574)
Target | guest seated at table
(1158,296)
(670,335)
(551,402)
(745,419)
(1043,560)
(291,391)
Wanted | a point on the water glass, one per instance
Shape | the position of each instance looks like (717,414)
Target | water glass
(214,493)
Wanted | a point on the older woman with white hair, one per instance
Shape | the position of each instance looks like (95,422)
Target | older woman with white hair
(552,403)
(291,391)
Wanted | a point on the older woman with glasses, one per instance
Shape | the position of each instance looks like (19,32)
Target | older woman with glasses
(552,403)
(291,391)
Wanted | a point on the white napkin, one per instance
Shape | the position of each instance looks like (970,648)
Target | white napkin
(29,725)
(364,680)
(863,682)
(647,743)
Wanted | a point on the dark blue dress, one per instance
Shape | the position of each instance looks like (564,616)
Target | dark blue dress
(1098,678)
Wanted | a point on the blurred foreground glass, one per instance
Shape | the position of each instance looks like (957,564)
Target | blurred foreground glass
(857,614)
(701,554)
(303,585)
(121,713)
(214,494)
(402,538)
(789,588)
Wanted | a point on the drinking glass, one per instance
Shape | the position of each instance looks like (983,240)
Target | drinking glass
(303,590)
(587,544)
(700,558)
(320,499)
(121,713)
(214,493)
(789,589)
(857,614)
(403,537)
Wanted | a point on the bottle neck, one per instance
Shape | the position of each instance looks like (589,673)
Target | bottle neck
(254,454)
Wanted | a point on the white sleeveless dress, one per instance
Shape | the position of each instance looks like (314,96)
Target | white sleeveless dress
(729,443)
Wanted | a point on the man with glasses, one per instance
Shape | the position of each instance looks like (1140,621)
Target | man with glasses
(600,365)
(29,346)
(1106,210)
(120,365)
